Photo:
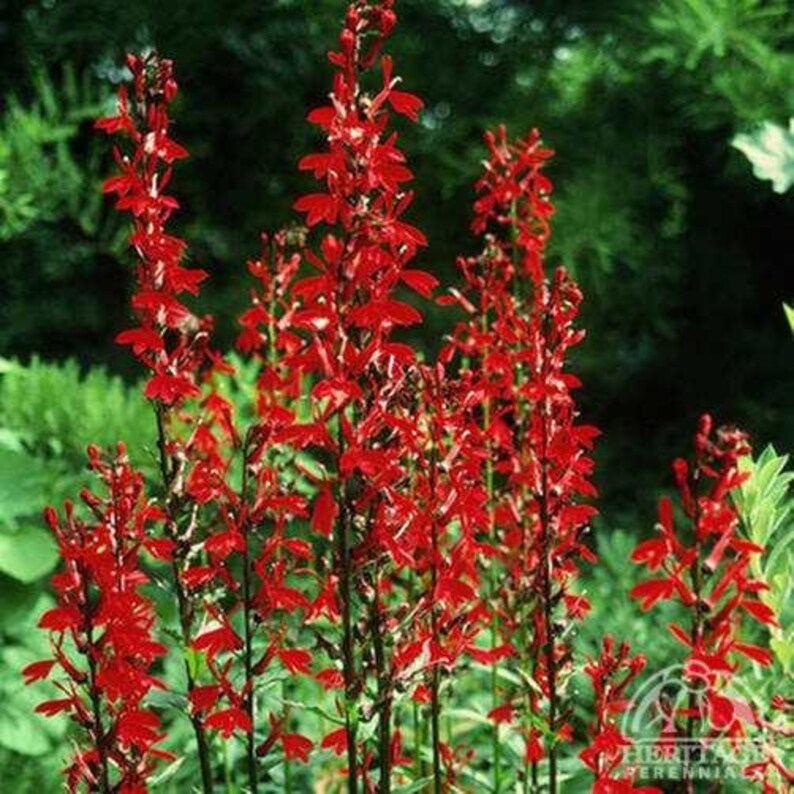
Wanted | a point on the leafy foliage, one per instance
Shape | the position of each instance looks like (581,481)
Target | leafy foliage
(766,505)
(40,179)
(53,410)
(53,222)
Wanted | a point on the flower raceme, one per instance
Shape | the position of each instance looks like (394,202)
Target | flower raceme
(521,326)
(611,674)
(102,631)
(346,312)
(227,541)
(703,563)
(170,340)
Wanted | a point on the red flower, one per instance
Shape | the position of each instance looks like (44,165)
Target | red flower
(330,678)
(222,639)
(335,741)
(503,713)
(534,749)
(38,670)
(405,103)
(653,590)
(203,698)
(227,721)
(295,660)
(296,746)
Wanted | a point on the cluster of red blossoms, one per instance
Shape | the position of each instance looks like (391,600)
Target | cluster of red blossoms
(610,676)
(704,564)
(372,523)
(102,631)
(521,326)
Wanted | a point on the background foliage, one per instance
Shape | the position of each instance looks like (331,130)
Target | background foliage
(671,120)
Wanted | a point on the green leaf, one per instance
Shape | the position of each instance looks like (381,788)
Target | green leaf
(16,602)
(28,555)
(421,784)
(789,316)
(783,650)
(167,773)
(21,729)
(23,482)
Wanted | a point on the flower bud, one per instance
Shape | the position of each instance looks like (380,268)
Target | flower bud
(347,40)
(89,498)
(388,19)
(51,518)
(351,20)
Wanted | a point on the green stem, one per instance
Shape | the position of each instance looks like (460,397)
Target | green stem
(384,688)
(548,617)
(495,743)
(493,587)
(697,631)
(100,737)
(227,769)
(348,653)
(287,765)
(435,710)
(435,706)
(184,602)
(250,699)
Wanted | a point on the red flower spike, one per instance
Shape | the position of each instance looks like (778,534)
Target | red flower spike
(517,337)
(611,675)
(334,333)
(161,276)
(107,624)
(707,566)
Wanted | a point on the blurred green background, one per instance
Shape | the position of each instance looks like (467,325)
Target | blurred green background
(682,250)
(670,119)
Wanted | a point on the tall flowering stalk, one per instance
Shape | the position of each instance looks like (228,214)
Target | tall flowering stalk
(521,328)
(347,313)
(169,340)
(256,561)
(611,675)
(227,540)
(435,537)
(704,564)
(101,632)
